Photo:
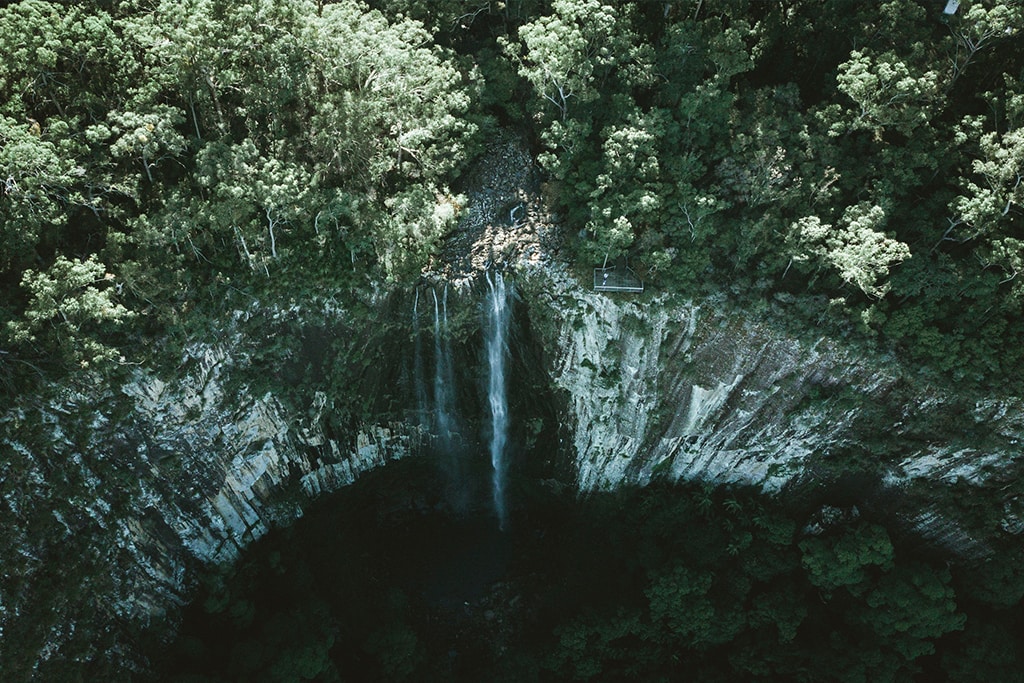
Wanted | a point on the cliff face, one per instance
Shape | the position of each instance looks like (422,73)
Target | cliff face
(680,390)
(189,470)
(183,473)
(241,463)
(663,388)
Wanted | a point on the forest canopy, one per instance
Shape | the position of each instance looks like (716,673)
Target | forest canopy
(858,164)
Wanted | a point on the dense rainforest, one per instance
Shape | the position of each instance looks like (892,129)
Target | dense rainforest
(858,164)
(851,169)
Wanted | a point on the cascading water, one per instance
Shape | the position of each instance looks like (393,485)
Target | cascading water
(496,344)
(418,375)
(444,374)
(442,416)
(447,425)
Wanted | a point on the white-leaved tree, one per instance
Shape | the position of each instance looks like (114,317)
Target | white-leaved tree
(978,27)
(71,305)
(856,249)
(886,91)
(567,54)
(990,206)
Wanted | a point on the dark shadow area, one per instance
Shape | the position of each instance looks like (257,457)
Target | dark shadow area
(384,581)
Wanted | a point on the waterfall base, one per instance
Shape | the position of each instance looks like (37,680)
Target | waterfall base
(404,589)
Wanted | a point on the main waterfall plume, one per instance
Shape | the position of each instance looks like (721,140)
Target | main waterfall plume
(496,344)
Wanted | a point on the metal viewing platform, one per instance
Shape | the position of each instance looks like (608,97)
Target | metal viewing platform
(617,278)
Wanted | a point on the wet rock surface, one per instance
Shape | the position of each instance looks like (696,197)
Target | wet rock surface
(504,223)
(184,474)
(663,389)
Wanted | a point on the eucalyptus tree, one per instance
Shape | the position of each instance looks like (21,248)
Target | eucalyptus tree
(990,205)
(584,60)
(389,119)
(63,72)
(296,108)
(69,305)
(60,74)
(979,27)
(857,249)
(38,184)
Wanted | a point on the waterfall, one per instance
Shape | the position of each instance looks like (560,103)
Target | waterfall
(496,344)
(444,419)
(418,376)
(444,374)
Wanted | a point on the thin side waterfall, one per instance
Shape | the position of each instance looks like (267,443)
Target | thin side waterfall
(418,376)
(496,343)
(444,374)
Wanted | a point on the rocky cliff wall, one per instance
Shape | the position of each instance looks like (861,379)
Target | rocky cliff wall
(182,473)
(680,390)
(659,387)
(244,463)
(189,470)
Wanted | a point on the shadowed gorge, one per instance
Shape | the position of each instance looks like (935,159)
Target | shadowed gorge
(386,581)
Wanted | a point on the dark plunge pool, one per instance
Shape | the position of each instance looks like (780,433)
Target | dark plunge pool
(389,581)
